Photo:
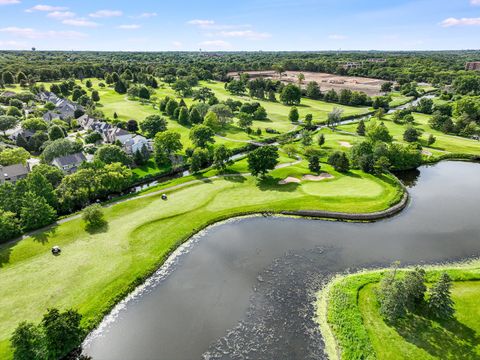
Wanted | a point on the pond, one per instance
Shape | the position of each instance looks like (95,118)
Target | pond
(244,289)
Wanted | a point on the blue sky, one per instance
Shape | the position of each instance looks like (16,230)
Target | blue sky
(143,25)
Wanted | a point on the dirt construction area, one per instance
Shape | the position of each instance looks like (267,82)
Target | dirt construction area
(325,81)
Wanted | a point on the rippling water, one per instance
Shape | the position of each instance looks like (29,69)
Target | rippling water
(244,289)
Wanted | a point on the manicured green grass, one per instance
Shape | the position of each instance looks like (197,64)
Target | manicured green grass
(96,269)
(399,99)
(349,318)
(418,337)
(150,168)
(444,143)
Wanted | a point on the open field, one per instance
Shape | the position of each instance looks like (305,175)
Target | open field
(349,318)
(96,270)
(325,81)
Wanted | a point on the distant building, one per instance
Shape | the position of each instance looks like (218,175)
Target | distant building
(22,133)
(351,65)
(473,65)
(377,60)
(69,163)
(13,173)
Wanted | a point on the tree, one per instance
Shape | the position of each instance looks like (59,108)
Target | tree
(293,115)
(120,87)
(378,132)
(36,212)
(14,156)
(14,111)
(26,342)
(221,157)
(132,125)
(60,147)
(334,117)
(279,69)
(152,125)
(195,117)
(77,93)
(223,112)
(440,302)
(260,114)
(244,120)
(182,87)
(63,332)
(9,226)
(211,120)
(314,164)
(301,79)
(236,87)
(291,95)
(262,159)
(361,128)
(171,106)
(88,83)
(339,161)
(109,154)
(308,121)
(392,299)
(55,132)
(431,140)
(321,140)
(201,135)
(313,90)
(166,144)
(203,94)
(93,217)
(411,134)
(306,138)
(425,106)
(290,150)
(7,123)
(183,116)
(34,124)
(143,93)
(414,285)
(387,87)
(53,174)
(200,159)
(7,78)
(95,96)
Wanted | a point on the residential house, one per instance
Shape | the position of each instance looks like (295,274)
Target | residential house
(63,107)
(113,134)
(25,134)
(133,143)
(50,115)
(13,173)
(69,163)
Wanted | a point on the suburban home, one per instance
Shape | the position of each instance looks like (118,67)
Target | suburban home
(13,173)
(113,134)
(69,163)
(63,107)
(86,122)
(25,134)
(132,143)
(50,115)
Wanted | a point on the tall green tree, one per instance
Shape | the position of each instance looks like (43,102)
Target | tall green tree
(201,135)
(440,301)
(262,160)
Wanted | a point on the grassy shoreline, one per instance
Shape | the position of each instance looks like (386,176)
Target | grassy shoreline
(339,314)
(97,270)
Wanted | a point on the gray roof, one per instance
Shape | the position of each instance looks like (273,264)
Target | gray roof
(12,171)
(74,159)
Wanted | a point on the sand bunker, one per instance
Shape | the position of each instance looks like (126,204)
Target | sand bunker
(320,177)
(289,180)
(345,144)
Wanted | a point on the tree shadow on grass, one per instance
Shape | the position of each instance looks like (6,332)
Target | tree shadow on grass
(234,177)
(202,177)
(5,252)
(270,183)
(99,228)
(445,340)
(42,236)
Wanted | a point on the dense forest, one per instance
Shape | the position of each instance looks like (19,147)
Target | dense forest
(438,68)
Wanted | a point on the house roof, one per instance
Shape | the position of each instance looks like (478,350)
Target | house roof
(73,159)
(12,171)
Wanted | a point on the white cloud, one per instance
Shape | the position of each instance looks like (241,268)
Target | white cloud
(216,44)
(245,34)
(475,2)
(177,44)
(145,15)
(129,27)
(81,22)
(11,44)
(9,2)
(337,37)
(48,8)
(201,23)
(460,22)
(30,33)
(59,15)
(106,13)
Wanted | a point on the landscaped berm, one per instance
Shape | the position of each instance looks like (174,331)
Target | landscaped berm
(97,268)
(358,320)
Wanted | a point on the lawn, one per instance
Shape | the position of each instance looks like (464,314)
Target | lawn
(418,337)
(349,318)
(444,143)
(96,270)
